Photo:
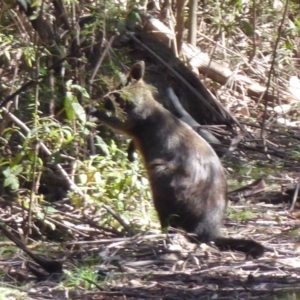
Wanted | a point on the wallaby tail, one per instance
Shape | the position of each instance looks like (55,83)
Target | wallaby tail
(251,248)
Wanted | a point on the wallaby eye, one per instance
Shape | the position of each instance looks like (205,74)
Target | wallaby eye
(117,100)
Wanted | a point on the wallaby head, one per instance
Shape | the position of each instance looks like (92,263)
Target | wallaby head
(131,101)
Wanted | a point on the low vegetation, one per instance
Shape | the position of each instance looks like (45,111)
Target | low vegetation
(68,190)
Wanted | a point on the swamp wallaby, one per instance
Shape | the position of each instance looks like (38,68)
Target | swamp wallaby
(187,179)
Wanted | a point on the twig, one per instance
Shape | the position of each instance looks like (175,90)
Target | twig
(192,22)
(102,58)
(254,31)
(118,218)
(295,195)
(49,265)
(94,283)
(272,69)
(179,28)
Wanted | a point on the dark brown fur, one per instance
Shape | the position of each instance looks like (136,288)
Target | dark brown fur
(186,176)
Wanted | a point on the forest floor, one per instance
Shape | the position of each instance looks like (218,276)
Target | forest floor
(151,265)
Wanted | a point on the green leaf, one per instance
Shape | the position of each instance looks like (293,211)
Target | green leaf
(33,17)
(83,178)
(101,144)
(113,147)
(42,216)
(16,160)
(79,111)
(12,182)
(68,133)
(50,224)
(39,161)
(69,84)
(31,155)
(81,89)
(133,19)
(238,4)
(73,108)
(26,204)
(17,170)
(6,172)
(86,131)
(297,22)
(247,28)
(69,99)
(35,3)
(7,54)
(289,45)
(97,177)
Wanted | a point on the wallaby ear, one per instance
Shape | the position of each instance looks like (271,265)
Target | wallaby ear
(137,71)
